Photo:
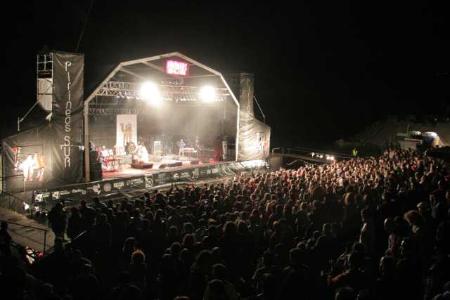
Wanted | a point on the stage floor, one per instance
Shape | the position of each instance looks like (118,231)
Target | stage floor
(126,170)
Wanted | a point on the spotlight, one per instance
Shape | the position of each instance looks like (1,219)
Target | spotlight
(149,92)
(207,94)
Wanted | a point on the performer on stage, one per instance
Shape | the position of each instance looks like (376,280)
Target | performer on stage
(142,153)
(181,145)
(103,157)
(27,166)
(197,143)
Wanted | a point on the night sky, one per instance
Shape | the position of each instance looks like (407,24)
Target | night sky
(323,70)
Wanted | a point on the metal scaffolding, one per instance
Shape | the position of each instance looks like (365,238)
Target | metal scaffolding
(169,92)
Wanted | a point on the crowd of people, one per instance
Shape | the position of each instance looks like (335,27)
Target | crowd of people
(363,228)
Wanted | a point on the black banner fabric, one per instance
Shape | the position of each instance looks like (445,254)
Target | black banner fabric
(254,138)
(67,118)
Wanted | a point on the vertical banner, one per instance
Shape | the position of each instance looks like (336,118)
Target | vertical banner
(126,131)
(67,117)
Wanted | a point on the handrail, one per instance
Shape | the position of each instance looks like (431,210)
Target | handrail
(10,176)
(276,148)
(34,227)
(79,235)
(294,162)
(320,151)
(10,199)
(75,239)
(11,195)
(293,150)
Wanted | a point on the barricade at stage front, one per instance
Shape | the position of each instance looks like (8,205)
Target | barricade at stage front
(148,180)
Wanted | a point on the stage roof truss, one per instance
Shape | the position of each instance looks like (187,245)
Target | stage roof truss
(170,92)
(111,111)
(126,70)
(154,66)
(111,86)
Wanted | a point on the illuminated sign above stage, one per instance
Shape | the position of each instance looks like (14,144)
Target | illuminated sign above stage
(174,67)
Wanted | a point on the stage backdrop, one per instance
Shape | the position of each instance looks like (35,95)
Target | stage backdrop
(67,117)
(126,131)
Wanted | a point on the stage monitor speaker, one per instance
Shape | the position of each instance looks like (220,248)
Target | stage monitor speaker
(142,165)
(162,166)
(195,162)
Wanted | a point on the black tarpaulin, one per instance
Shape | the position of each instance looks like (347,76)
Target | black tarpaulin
(254,138)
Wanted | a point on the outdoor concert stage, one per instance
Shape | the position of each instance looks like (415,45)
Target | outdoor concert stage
(148,122)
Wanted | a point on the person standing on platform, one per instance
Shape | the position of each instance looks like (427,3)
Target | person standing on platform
(197,143)
(181,145)
(57,219)
(142,153)
(27,166)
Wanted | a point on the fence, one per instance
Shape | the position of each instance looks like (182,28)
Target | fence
(13,202)
(305,151)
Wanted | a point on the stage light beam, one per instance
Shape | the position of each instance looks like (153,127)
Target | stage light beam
(149,92)
(208,94)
